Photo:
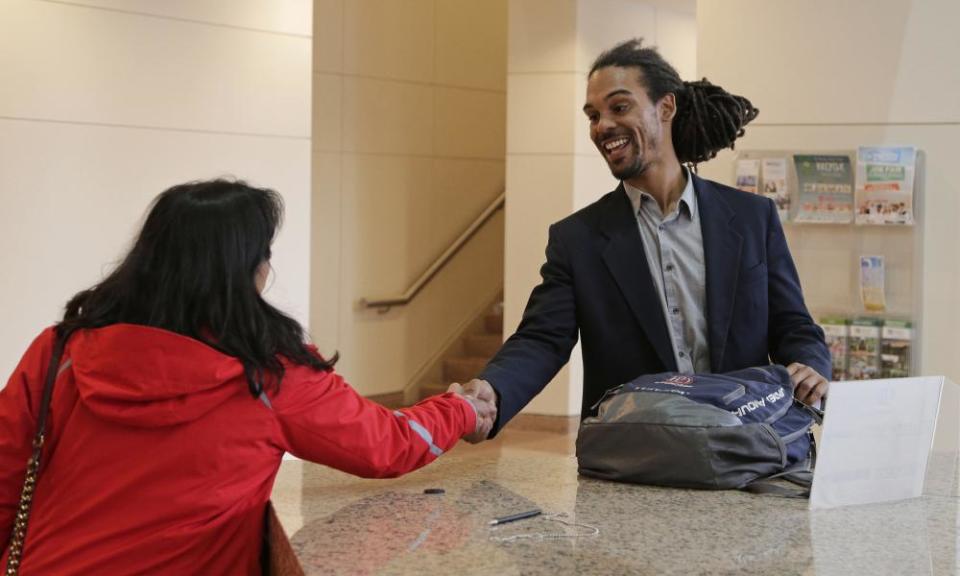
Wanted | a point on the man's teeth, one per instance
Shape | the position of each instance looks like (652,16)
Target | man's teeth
(613,144)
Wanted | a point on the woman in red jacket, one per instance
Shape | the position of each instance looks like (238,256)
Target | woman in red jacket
(177,395)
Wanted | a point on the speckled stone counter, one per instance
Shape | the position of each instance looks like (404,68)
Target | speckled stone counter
(344,525)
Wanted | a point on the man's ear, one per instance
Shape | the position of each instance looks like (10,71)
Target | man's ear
(667,107)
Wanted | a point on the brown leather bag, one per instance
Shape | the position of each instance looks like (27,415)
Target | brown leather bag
(278,558)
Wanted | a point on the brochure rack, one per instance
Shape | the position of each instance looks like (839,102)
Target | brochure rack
(828,258)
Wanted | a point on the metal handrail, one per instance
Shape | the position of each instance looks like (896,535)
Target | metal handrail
(386,303)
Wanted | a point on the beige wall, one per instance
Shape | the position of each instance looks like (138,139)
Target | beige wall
(834,75)
(553,168)
(408,147)
(103,104)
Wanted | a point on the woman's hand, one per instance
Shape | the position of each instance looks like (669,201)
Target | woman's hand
(484,399)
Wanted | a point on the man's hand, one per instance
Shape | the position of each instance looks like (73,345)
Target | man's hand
(808,385)
(483,397)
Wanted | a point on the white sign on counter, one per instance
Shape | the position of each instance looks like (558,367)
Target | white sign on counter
(876,441)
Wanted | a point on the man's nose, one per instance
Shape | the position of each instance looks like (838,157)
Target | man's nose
(604,124)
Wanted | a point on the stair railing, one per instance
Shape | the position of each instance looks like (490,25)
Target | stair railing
(384,304)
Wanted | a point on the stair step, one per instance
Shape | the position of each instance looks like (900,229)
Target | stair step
(433,389)
(462,369)
(493,322)
(485,345)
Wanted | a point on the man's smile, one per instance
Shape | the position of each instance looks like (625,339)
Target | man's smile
(616,148)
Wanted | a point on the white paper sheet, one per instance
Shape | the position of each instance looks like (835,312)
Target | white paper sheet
(876,440)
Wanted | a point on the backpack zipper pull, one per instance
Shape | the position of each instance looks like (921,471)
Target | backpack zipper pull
(607,394)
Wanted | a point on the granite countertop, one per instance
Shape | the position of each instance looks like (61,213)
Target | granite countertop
(343,525)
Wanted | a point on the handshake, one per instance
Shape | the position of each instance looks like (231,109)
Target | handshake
(482,396)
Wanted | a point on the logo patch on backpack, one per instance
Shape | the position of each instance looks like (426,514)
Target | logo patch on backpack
(678,380)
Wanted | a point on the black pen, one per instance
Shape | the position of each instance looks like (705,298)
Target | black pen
(518,516)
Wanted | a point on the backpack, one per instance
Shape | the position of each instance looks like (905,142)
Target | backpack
(713,431)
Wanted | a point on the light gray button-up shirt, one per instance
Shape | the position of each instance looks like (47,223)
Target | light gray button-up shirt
(674,249)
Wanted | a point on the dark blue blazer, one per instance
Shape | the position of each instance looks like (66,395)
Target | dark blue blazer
(596,280)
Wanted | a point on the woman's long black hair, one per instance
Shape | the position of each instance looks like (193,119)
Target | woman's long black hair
(191,271)
(708,117)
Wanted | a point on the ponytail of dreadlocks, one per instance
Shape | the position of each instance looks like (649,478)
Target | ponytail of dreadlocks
(708,120)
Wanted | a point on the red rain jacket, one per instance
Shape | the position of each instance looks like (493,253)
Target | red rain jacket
(159,461)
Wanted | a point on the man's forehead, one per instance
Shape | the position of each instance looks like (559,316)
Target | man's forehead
(606,81)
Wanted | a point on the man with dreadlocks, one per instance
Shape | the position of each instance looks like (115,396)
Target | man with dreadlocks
(669,272)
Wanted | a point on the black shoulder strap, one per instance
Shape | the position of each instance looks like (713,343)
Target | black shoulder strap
(53,370)
(19,532)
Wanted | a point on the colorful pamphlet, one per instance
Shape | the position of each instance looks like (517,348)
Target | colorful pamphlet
(872,280)
(863,349)
(837,331)
(748,175)
(825,185)
(895,348)
(884,191)
(774,184)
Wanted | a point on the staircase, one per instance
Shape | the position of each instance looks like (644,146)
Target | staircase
(476,348)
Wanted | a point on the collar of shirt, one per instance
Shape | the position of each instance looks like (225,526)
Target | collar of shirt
(688,198)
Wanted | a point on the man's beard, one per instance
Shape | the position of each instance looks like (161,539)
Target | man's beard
(634,169)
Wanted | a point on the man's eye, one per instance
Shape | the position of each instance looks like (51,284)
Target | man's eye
(619,108)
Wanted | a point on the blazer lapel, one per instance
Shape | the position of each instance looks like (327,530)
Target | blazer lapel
(627,261)
(721,251)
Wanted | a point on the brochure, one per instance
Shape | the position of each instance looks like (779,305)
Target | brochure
(863,356)
(871,283)
(748,175)
(774,172)
(895,347)
(825,188)
(837,330)
(884,192)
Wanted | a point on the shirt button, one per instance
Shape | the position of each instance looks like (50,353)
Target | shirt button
(669,267)
(682,354)
(675,311)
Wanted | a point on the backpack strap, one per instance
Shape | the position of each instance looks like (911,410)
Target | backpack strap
(766,487)
(800,473)
(815,413)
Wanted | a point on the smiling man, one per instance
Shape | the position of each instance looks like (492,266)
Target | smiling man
(669,272)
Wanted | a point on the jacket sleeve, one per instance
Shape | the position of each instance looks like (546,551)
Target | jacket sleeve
(324,420)
(19,403)
(542,344)
(793,336)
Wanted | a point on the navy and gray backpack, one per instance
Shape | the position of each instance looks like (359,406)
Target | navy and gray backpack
(714,431)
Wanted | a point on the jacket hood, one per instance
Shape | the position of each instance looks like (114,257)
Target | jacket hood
(148,377)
